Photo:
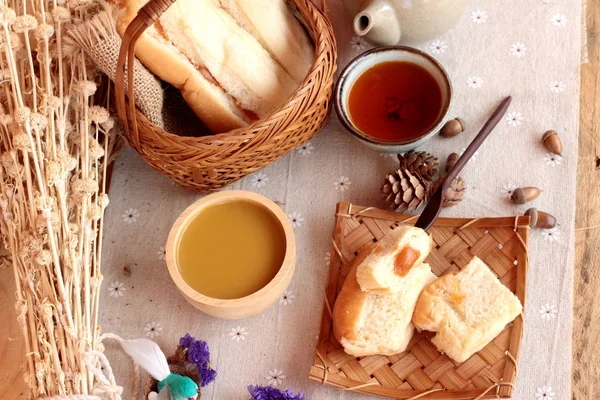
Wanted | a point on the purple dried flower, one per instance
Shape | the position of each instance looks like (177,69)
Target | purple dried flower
(198,353)
(186,341)
(271,393)
(207,374)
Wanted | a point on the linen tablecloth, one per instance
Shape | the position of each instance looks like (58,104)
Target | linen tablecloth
(530,50)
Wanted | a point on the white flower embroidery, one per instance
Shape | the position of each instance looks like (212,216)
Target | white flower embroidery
(116,289)
(342,183)
(545,393)
(514,119)
(296,219)
(358,43)
(507,190)
(162,253)
(474,82)
(327,258)
(306,149)
(551,235)
(259,179)
(479,16)
(238,333)
(287,298)
(275,377)
(473,157)
(153,329)
(557,86)
(553,159)
(559,20)
(518,49)
(130,216)
(438,47)
(548,311)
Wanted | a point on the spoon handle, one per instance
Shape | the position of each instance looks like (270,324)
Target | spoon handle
(476,143)
(436,202)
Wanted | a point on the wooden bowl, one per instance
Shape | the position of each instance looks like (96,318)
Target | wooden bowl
(254,303)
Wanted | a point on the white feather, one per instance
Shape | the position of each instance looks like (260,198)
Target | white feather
(147,355)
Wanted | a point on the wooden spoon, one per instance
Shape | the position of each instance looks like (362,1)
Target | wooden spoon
(433,208)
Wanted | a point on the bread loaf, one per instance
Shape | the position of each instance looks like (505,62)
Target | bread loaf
(366,323)
(385,269)
(235,61)
(467,310)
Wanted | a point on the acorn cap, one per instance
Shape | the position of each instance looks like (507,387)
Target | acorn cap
(540,219)
(452,127)
(523,195)
(553,142)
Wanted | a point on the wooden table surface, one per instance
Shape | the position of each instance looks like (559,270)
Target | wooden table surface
(586,324)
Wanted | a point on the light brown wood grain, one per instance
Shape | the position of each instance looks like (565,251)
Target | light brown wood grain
(586,324)
(12,347)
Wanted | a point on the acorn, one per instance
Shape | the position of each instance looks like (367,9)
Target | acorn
(452,127)
(552,142)
(451,161)
(540,219)
(523,195)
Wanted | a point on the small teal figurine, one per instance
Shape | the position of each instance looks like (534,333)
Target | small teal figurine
(150,357)
(179,387)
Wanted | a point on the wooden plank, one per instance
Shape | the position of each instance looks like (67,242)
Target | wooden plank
(586,306)
(12,345)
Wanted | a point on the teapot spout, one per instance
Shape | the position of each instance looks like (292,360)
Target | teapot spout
(378,23)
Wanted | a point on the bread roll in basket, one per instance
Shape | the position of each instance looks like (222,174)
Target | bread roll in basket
(208,163)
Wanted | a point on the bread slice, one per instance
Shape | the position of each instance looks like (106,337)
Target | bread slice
(385,269)
(283,37)
(467,310)
(224,72)
(366,323)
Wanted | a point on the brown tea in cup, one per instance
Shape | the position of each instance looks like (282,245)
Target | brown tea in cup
(395,101)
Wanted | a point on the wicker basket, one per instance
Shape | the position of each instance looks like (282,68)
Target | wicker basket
(421,371)
(209,163)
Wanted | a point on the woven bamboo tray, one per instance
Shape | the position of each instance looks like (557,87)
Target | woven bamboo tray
(421,371)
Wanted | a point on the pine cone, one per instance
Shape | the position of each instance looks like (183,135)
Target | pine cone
(454,194)
(426,164)
(405,190)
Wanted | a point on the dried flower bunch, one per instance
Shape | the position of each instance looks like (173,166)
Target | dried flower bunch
(198,354)
(271,393)
(54,147)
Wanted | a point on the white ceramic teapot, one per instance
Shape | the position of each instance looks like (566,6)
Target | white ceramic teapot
(389,22)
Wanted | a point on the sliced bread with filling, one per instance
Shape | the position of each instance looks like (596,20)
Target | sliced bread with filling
(385,269)
(366,323)
(467,310)
(232,63)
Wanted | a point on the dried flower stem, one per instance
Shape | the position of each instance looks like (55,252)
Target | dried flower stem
(52,197)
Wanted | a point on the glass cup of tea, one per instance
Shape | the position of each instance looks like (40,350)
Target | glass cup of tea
(393,98)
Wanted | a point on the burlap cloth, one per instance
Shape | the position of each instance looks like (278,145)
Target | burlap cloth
(160,102)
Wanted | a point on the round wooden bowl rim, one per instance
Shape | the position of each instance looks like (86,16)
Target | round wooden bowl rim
(287,265)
